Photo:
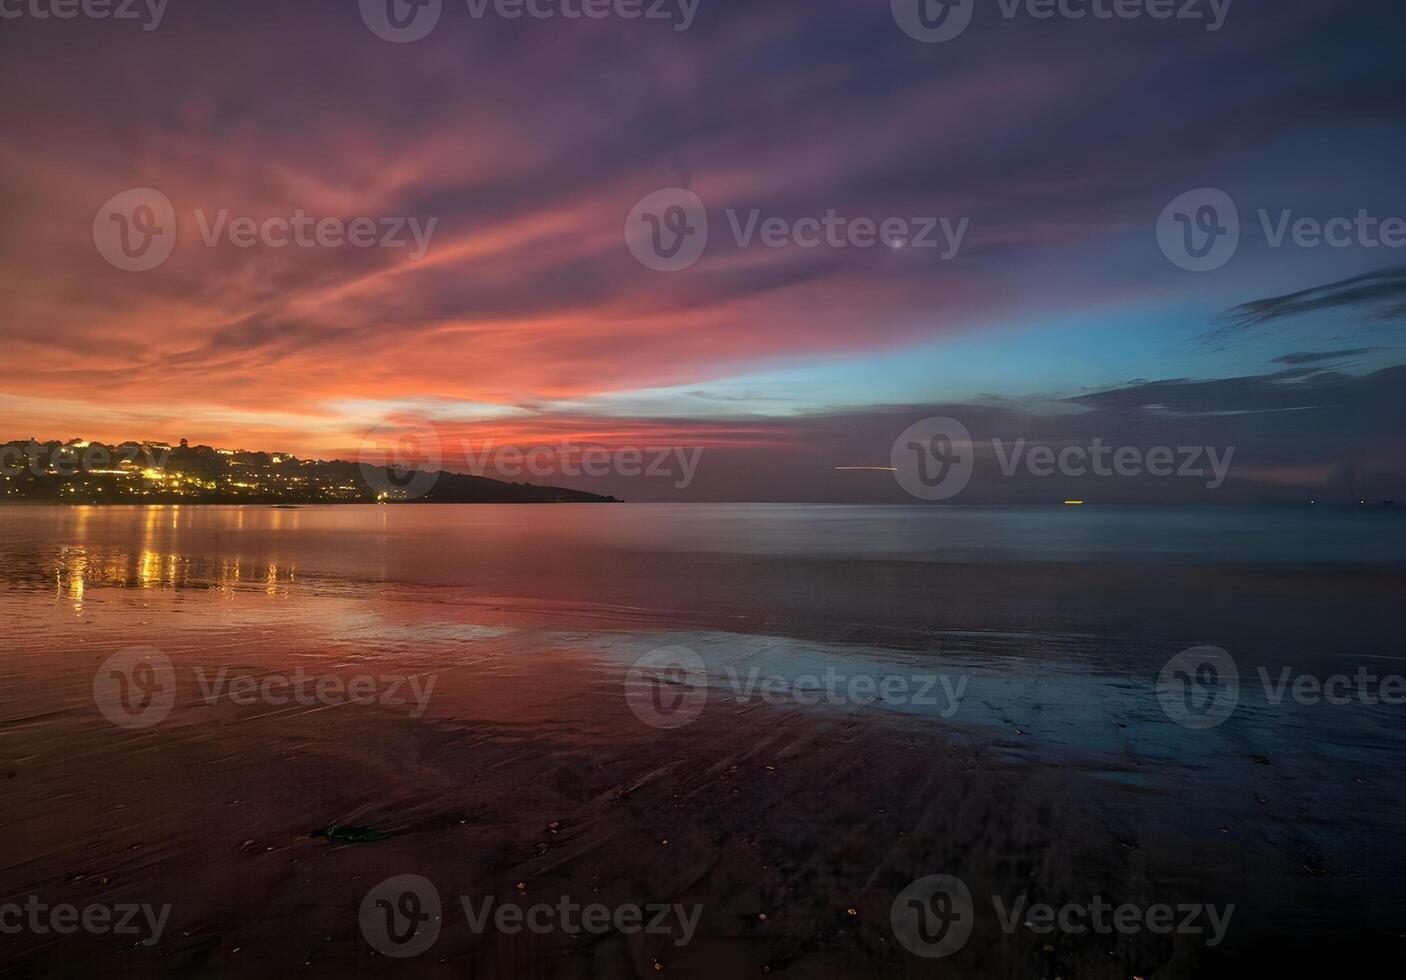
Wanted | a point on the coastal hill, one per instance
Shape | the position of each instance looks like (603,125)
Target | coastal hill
(81,472)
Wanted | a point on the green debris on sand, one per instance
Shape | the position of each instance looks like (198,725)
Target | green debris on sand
(341,833)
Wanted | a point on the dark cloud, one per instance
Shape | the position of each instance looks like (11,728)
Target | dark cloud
(1281,391)
(1318,357)
(1358,293)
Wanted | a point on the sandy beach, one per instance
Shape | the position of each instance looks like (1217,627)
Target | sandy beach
(502,751)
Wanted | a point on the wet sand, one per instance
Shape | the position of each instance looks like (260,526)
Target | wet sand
(529,768)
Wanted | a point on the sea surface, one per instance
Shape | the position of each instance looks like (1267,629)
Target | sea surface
(1042,632)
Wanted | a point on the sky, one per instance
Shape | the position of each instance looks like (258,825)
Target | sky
(1035,289)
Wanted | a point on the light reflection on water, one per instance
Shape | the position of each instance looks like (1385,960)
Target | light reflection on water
(76,569)
(149,561)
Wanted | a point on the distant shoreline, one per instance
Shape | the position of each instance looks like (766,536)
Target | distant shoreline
(100,474)
(298,504)
(1381,507)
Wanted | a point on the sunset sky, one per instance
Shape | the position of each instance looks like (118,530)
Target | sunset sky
(528,320)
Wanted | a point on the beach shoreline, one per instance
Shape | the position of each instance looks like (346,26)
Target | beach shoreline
(502,747)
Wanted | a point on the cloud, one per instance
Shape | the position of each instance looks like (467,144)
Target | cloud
(1318,357)
(530,142)
(1375,289)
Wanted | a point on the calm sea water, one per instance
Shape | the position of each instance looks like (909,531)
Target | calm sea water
(425,543)
(1087,595)
(889,573)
